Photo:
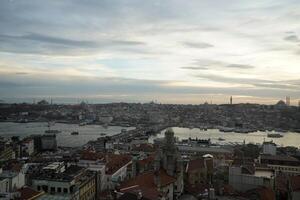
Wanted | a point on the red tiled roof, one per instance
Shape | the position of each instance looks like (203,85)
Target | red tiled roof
(90,155)
(195,165)
(143,147)
(147,160)
(146,184)
(114,162)
(28,193)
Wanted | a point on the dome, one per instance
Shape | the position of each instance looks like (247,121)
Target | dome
(281,103)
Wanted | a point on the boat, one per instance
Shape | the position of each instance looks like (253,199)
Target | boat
(275,135)
(102,134)
(22,121)
(52,131)
(75,133)
(105,126)
(221,139)
(83,124)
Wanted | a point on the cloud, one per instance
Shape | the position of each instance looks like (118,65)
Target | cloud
(198,45)
(254,82)
(195,68)
(43,44)
(292,38)
(116,89)
(21,73)
(205,64)
(151,40)
(240,66)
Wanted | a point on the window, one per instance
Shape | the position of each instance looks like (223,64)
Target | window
(59,190)
(38,188)
(65,190)
(52,189)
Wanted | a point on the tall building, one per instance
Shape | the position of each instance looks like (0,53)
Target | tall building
(288,101)
(165,181)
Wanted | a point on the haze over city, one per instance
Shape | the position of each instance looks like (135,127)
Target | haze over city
(138,51)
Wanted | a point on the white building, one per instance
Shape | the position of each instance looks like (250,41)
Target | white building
(10,181)
(269,148)
(244,178)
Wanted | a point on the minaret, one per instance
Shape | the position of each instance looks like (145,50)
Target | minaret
(288,101)
(231,100)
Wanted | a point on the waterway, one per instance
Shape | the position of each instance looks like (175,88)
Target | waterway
(86,133)
(288,139)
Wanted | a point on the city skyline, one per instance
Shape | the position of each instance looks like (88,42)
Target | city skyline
(133,51)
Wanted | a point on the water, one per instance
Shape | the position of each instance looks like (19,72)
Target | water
(86,133)
(289,139)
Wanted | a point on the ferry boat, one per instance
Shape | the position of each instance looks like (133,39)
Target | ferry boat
(52,131)
(82,123)
(275,135)
(221,139)
(75,133)
(102,134)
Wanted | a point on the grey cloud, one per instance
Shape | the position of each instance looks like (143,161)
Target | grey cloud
(292,38)
(198,45)
(215,64)
(31,86)
(21,73)
(240,66)
(42,44)
(258,83)
(195,68)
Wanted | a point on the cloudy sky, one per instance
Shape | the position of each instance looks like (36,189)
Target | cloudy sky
(170,51)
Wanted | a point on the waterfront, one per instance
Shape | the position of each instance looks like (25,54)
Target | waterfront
(288,139)
(86,133)
(92,132)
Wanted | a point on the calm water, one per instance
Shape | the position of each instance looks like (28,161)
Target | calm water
(289,139)
(86,133)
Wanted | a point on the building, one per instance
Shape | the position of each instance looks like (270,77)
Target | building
(60,180)
(48,142)
(281,164)
(111,168)
(269,148)
(95,162)
(27,193)
(165,181)
(12,178)
(6,151)
(27,147)
(199,171)
(247,177)
(295,188)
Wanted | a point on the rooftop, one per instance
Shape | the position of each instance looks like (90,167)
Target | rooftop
(28,193)
(146,183)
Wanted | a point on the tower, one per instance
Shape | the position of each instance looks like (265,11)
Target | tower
(231,100)
(288,101)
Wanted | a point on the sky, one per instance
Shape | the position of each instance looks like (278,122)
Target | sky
(167,51)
